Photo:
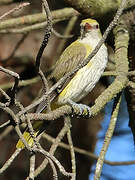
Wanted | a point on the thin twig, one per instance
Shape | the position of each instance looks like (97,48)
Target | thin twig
(29,107)
(5,95)
(17,46)
(60,35)
(55,175)
(72,152)
(20,6)
(32,165)
(31,131)
(16,77)
(5,124)
(45,89)
(61,168)
(52,149)
(47,34)
(10,160)
(6,132)
(15,119)
(87,153)
(108,137)
(21,83)
(48,31)
(67,31)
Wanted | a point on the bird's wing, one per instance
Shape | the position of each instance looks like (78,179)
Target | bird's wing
(68,61)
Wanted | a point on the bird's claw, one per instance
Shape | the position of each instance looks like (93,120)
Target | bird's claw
(80,109)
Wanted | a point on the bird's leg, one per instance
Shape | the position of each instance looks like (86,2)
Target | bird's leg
(80,109)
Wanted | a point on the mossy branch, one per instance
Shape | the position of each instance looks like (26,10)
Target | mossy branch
(98,9)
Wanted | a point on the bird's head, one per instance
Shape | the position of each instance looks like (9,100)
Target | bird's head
(89,26)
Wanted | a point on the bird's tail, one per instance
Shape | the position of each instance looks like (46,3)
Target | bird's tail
(38,127)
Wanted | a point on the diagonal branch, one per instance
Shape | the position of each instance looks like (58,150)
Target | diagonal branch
(108,137)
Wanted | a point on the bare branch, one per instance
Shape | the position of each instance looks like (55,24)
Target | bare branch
(88,153)
(16,77)
(6,132)
(5,124)
(21,83)
(62,14)
(52,149)
(17,46)
(10,160)
(20,6)
(32,165)
(61,168)
(108,137)
(72,152)
(47,34)
(55,176)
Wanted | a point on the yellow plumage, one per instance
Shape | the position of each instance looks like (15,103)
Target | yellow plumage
(85,79)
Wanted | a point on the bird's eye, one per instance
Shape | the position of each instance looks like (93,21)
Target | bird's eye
(97,26)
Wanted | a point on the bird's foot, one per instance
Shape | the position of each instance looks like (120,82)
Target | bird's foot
(80,109)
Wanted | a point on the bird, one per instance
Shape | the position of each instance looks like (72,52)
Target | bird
(84,80)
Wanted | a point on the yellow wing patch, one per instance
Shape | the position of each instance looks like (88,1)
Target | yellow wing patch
(28,139)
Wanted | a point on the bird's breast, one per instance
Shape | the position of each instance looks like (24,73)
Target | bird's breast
(85,79)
